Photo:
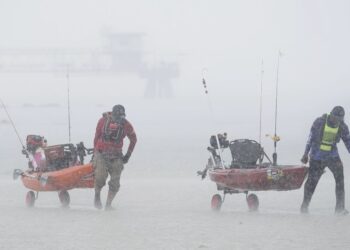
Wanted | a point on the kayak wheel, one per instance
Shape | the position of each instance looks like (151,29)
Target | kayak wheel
(64,198)
(216,202)
(253,202)
(30,199)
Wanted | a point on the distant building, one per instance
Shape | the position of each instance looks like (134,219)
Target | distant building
(126,50)
(124,54)
(159,80)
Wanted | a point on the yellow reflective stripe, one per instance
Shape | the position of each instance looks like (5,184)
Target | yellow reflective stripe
(329,135)
(325,147)
(328,138)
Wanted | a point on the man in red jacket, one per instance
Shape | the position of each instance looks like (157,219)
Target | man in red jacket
(111,130)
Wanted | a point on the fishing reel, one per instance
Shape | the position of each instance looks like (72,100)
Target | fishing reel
(221,139)
(82,151)
(275,138)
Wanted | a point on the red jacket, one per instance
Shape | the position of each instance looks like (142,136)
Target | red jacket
(112,146)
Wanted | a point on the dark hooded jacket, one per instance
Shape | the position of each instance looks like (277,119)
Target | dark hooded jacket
(315,138)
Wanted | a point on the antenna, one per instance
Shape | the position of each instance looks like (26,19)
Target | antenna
(69,127)
(261,92)
(212,113)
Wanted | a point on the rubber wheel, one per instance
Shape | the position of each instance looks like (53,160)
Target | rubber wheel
(253,202)
(64,198)
(30,199)
(216,202)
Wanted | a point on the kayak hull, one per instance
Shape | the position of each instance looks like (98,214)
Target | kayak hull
(279,178)
(80,176)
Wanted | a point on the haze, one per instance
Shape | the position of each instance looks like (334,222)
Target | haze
(158,76)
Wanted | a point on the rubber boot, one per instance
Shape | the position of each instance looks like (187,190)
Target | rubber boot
(109,200)
(97,200)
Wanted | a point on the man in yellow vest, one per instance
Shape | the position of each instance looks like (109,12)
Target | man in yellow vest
(326,132)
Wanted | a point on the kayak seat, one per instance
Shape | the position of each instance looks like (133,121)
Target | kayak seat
(245,153)
(55,158)
(60,156)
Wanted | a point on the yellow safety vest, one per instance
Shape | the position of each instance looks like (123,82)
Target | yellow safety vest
(328,138)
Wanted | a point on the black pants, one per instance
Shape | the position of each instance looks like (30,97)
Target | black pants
(315,172)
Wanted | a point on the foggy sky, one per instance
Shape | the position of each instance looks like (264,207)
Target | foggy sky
(227,38)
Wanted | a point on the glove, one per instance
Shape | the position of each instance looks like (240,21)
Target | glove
(203,173)
(304,159)
(126,158)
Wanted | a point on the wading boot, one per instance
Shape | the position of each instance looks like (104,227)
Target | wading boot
(341,211)
(304,209)
(109,200)
(97,200)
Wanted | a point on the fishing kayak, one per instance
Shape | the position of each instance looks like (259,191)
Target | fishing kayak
(80,176)
(279,178)
(54,168)
(247,172)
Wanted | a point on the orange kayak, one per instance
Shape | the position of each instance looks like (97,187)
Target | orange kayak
(80,176)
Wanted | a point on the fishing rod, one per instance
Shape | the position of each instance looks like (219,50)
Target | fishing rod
(12,123)
(213,114)
(276,138)
(68,99)
(24,149)
(261,94)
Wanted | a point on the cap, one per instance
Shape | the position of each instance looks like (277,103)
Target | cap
(339,112)
(118,111)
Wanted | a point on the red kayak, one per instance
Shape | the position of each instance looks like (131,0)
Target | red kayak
(247,172)
(280,178)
